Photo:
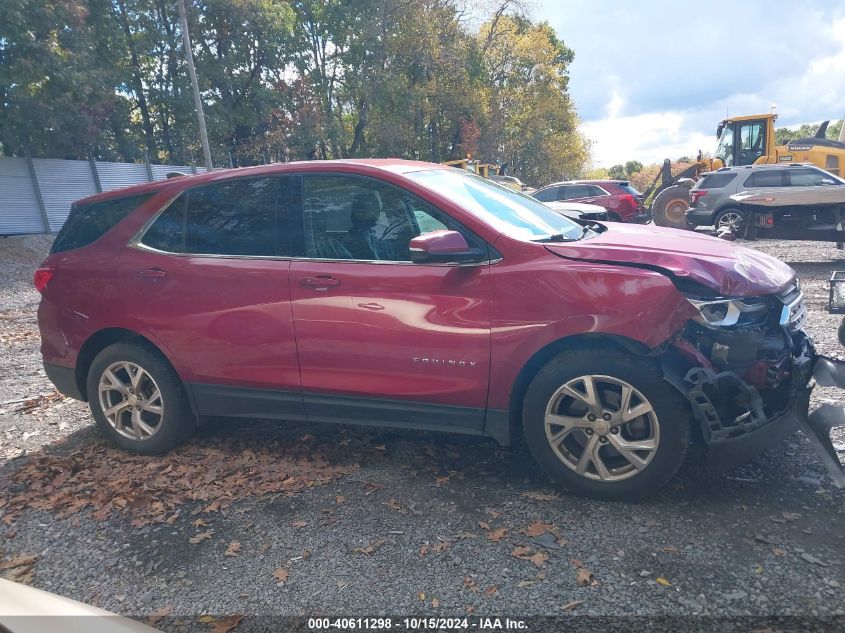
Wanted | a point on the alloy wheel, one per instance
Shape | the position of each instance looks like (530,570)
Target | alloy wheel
(131,400)
(732,220)
(602,428)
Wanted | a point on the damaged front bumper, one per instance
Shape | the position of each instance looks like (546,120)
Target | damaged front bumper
(736,439)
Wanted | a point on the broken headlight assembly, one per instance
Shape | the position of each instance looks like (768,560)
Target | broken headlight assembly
(724,312)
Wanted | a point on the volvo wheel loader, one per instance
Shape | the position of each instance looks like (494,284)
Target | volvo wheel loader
(743,140)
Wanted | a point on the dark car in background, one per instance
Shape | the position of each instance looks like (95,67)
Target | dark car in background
(622,201)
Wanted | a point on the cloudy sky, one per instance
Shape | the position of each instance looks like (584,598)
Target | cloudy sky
(651,79)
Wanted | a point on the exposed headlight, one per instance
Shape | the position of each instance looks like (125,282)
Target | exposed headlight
(724,312)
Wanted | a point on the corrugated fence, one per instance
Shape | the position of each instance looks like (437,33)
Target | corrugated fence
(36,194)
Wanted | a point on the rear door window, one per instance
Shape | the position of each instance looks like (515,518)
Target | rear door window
(594,191)
(716,181)
(766,178)
(806,177)
(570,192)
(246,217)
(89,222)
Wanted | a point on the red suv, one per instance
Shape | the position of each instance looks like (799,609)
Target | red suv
(622,201)
(406,294)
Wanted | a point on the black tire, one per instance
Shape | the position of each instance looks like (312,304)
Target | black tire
(725,216)
(665,205)
(672,413)
(173,426)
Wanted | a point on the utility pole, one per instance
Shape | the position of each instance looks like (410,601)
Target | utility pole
(189,56)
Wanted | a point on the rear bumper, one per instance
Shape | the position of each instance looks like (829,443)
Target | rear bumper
(64,378)
(699,217)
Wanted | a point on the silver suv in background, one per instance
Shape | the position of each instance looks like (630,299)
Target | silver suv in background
(779,196)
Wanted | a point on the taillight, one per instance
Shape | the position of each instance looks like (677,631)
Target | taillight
(42,277)
(695,196)
(629,199)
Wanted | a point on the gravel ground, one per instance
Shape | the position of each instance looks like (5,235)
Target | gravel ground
(419,523)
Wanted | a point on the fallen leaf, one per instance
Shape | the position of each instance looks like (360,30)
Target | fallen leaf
(393,504)
(520,551)
(569,606)
(371,548)
(198,523)
(339,499)
(484,525)
(234,549)
(540,496)
(492,589)
(435,602)
(777,551)
(469,583)
(522,584)
(441,481)
(669,549)
(281,576)
(539,559)
(224,625)
(577,562)
(159,614)
(663,581)
(202,536)
(790,516)
(537,528)
(584,576)
(19,561)
(498,534)
(465,535)
(299,523)
(306,554)
(206,619)
(493,512)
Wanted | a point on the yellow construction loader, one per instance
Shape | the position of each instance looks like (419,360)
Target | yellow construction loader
(743,140)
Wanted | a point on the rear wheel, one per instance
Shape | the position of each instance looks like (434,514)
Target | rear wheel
(731,218)
(137,399)
(670,206)
(605,424)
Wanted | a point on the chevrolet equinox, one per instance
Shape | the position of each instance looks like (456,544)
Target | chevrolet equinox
(406,294)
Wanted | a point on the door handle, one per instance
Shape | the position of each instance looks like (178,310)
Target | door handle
(152,272)
(371,306)
(320,282)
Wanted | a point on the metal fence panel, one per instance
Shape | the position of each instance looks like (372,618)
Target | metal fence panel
(19,211)
(62,182)
(117,175)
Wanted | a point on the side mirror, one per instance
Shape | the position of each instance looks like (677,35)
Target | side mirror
(443,247)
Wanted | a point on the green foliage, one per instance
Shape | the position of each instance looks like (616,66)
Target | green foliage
(617,172)
(633,166)
(784,135)
(284,80)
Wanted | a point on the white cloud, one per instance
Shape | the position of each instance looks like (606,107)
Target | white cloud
(648,138)
(651,83)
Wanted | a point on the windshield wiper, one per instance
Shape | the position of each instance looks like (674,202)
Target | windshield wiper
(558,237)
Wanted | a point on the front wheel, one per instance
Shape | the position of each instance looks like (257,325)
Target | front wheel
(606,424)
(138,400)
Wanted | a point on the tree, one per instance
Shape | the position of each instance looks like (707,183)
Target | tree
(633,166)
(617,172)
(783,135)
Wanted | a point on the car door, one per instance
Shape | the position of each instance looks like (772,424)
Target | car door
(382,340)
(208,284)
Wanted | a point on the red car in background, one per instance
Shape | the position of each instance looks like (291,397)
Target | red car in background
(622,201)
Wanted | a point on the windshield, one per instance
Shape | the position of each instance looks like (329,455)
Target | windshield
(511,212)
(725,146)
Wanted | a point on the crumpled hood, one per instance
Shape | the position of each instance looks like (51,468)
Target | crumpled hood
(729,269)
